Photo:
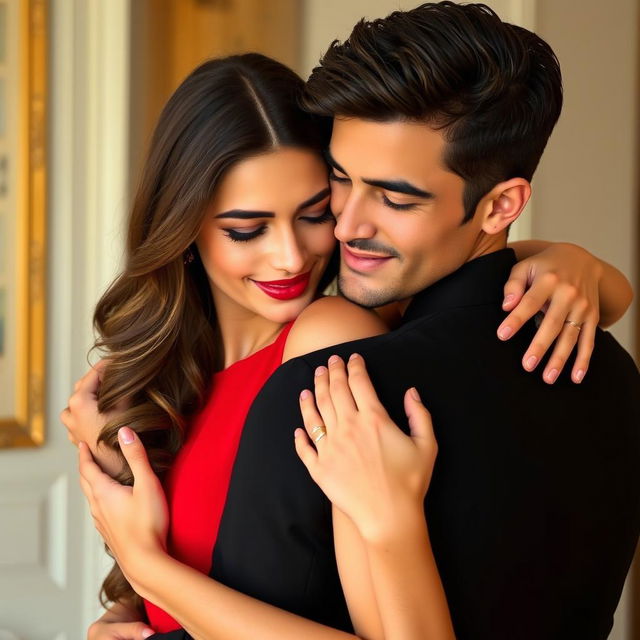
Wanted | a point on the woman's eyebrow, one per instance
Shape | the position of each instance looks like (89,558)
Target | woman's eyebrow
(244,214)
(321,195)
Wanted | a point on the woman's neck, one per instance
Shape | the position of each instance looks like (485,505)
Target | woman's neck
(242,333)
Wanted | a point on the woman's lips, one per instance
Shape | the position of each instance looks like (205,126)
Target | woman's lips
(285,289)
(362,263)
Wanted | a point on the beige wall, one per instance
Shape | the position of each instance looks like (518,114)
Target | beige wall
(587,186)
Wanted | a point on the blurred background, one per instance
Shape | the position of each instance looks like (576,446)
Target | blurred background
(97,73)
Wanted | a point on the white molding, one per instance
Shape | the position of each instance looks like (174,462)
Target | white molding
(98,133)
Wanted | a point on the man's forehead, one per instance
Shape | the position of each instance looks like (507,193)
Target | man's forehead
(364,146)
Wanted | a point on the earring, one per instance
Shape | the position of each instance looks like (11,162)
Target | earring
(188,257)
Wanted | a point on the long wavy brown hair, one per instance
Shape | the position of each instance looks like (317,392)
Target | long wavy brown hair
(156,323)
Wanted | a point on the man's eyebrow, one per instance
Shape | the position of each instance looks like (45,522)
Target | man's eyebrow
(400,186)
(243,214)
(332,162)
(321,195)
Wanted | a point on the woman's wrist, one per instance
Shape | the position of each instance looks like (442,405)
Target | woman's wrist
(394,524)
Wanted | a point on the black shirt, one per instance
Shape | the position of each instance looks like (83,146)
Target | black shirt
(534,504)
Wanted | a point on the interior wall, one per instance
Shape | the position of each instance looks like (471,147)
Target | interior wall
(587,188)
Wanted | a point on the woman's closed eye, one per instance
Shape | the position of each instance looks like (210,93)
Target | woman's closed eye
(325,216)
(339,179)
(245,234)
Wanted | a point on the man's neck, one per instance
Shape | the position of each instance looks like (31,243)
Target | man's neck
(483,245)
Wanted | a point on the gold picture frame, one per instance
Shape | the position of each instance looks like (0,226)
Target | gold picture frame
(23,198)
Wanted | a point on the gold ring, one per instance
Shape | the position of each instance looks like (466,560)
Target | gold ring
(322,435)
(320,427)
(577,325)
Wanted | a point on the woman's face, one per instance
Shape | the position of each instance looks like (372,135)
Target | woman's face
(267,235)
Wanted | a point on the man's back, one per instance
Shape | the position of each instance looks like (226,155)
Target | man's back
(534,506)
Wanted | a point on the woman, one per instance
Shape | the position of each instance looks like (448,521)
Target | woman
(229,238)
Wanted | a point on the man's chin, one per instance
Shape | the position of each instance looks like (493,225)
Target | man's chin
(364,297)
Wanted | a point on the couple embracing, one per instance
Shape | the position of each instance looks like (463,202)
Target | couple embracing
(521,522)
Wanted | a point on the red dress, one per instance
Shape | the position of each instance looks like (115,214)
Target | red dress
(198,480)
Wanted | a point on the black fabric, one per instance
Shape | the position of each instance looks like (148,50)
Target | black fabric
(534,505)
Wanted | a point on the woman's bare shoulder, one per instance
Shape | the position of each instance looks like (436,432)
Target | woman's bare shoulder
(328,321)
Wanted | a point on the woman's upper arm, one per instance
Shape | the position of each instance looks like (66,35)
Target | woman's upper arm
(330,321)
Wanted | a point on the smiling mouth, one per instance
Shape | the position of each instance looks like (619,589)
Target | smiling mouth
(285,289)
(363,263)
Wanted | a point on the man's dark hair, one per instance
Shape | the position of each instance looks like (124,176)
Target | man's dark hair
(494,89)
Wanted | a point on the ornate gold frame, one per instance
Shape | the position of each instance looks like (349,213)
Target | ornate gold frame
(26,428)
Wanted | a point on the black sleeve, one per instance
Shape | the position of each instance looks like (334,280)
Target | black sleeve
(275,539)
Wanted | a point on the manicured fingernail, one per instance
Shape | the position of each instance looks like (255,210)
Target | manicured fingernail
(508,299)
(415,394)
(147,633)
(320,371)
(126,435)
(579,375)
(504,332)
(334,360)
(531,362)
(305,394)
(297,433)
(551,376)
(353,356)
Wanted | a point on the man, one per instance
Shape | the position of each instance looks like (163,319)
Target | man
(441,115)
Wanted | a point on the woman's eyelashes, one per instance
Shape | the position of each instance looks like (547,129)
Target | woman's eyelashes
(325,216)
(339,179)
(237,235)
(244,236)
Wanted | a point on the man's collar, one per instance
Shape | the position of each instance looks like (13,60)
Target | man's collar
(480,281)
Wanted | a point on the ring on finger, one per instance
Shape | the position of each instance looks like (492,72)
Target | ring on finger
(322,435)
(320,427)
(577,325)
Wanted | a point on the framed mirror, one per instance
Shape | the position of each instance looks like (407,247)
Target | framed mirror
(23,115)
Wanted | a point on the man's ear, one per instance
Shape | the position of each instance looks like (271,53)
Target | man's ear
(503,204)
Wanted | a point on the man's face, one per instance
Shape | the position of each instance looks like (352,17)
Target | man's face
(399,210)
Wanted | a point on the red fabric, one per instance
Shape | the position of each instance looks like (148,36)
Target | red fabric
(198,481)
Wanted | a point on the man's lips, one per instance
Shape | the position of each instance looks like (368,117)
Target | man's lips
(285,289)
(363,262)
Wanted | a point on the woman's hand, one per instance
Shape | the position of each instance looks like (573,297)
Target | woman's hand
(364,463)
(132,520)
(563,282)
(84,422)
(104,630)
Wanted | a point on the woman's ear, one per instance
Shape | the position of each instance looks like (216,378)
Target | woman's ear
(503,204)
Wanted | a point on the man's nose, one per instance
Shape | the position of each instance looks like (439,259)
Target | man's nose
(354,220)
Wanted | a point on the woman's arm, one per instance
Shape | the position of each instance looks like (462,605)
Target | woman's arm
(614,289)
(575,291)
(134,520)
(376,478)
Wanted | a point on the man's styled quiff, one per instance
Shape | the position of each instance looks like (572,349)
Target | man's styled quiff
(494,89)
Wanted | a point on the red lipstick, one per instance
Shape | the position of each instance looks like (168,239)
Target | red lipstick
(285,289)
